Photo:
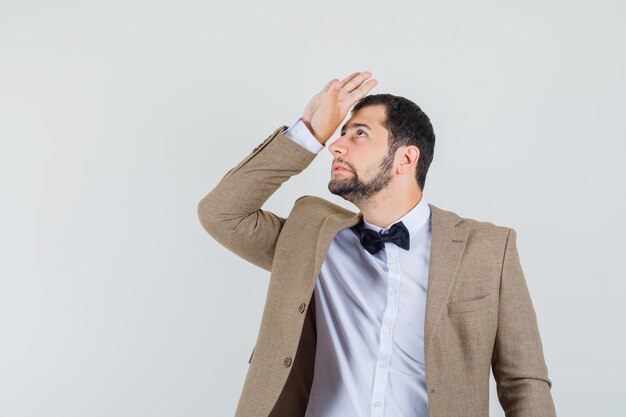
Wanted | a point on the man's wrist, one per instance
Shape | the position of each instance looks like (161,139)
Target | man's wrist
(310,129)
(300,133)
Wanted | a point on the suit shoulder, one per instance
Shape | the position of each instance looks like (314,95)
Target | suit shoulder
(475,225)
(320,206)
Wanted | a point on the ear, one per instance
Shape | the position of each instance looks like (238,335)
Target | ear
(409,155)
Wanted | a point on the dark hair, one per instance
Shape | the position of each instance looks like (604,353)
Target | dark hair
(407,125)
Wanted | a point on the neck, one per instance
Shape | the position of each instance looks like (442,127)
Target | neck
(386,207)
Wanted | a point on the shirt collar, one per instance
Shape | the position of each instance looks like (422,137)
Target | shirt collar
(413,220)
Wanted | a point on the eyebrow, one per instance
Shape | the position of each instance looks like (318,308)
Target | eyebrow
(353,125)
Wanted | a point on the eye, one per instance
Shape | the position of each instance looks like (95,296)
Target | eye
(360,131)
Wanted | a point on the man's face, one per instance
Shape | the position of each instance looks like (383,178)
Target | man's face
(362,148)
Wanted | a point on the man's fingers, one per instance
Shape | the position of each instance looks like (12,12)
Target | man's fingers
(356,81)
(327,86)
(334,90)
(367,86)
(351,82)
(349,90)
(351,98)
(348,78)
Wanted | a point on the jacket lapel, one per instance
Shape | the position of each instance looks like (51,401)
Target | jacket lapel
(330,227)
(446,251)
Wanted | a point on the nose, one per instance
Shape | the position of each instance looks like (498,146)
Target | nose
(337,147)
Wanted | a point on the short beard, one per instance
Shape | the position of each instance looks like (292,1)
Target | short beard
(359,192)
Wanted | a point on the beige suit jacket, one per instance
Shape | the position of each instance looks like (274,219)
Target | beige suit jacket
(479,314)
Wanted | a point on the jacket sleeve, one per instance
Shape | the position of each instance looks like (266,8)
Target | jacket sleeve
(231,213)
(518,363)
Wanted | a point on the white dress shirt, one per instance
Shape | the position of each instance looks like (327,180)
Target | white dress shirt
(370,312)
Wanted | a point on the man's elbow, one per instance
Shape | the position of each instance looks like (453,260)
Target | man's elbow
(207,215)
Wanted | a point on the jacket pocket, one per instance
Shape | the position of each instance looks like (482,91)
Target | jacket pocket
(470,305)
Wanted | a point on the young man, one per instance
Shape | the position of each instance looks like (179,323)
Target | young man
(400,309)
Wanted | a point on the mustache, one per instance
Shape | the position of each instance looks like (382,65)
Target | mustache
(344,163)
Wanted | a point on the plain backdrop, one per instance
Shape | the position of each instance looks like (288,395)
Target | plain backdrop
(117,117)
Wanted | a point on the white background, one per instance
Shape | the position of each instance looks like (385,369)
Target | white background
(117,117)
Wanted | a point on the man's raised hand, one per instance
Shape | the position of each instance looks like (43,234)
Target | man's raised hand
(329,107)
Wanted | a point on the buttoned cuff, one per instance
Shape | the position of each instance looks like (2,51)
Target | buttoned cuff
(301,134)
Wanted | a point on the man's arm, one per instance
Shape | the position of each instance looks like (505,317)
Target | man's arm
(518,363)
(231,213)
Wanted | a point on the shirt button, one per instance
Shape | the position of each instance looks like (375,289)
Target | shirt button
(287,362)
(377,404)
(386,330)
(382,364)
(392,263)
(392,292)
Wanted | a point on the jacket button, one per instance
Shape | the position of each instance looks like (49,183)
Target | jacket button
(301,308)
(287,362)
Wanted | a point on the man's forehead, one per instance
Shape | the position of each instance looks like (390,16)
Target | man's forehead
(370,117)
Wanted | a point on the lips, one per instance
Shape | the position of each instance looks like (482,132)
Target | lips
(339,167)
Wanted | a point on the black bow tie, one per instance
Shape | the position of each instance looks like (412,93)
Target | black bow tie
(373,241)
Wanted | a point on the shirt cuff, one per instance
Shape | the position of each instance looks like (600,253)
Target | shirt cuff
(301,134)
